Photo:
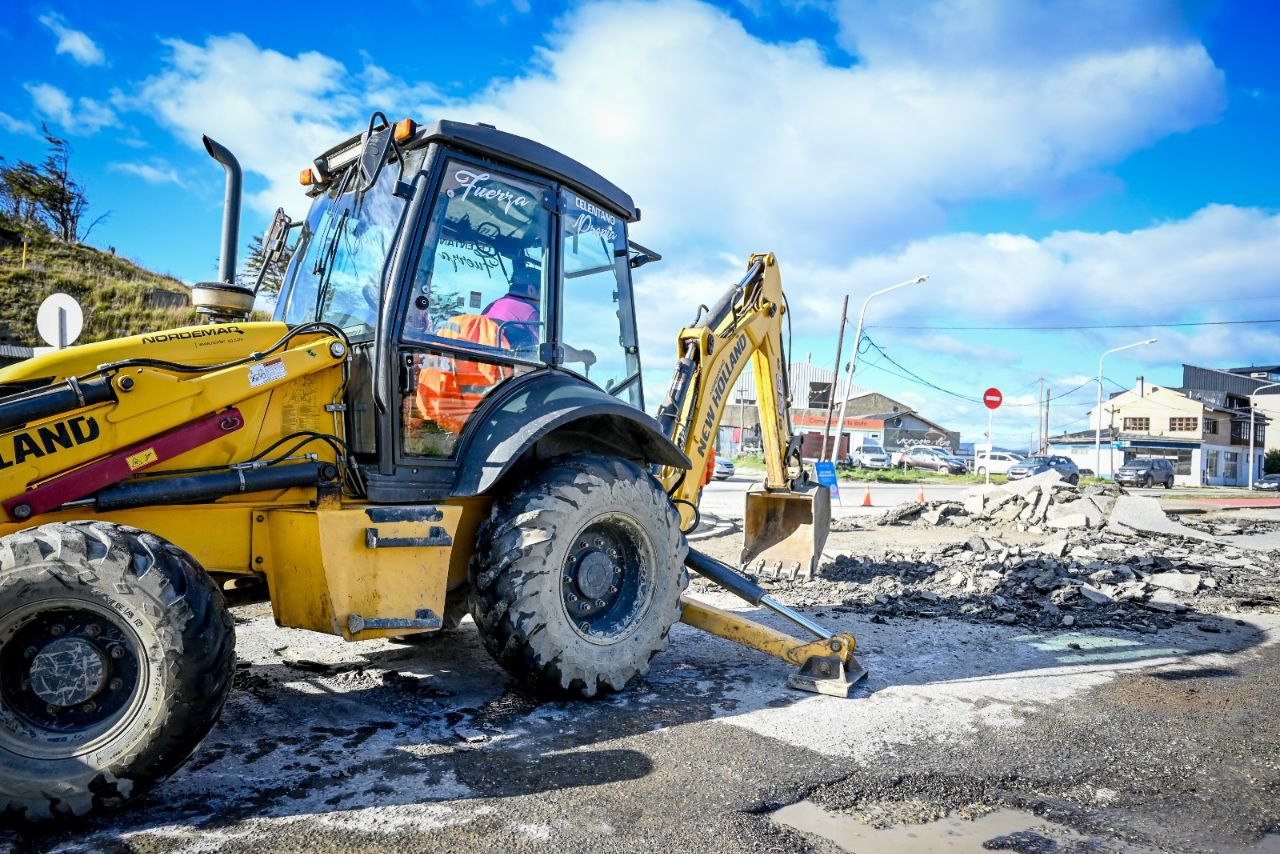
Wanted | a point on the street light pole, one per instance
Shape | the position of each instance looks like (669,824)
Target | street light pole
(853,359)
(1097,434)
(1251,405)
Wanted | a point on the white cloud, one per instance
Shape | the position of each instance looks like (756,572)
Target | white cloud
(74,43)
(275,112)
(949,345)
(17,126)
(155,172)
(731,142)
(1005,33)
(1154,274)
(83,116)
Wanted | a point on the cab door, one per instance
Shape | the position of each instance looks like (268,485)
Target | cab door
(478,312)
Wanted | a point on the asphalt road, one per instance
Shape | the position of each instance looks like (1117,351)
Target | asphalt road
(1098,739)
(1168,741)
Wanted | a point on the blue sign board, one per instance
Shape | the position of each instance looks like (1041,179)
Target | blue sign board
(827,477)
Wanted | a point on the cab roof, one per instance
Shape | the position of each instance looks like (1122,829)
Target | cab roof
(533,157)
(487,141)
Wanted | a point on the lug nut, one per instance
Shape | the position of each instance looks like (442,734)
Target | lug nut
(613,590)
(586,627)
(568,579)
(613,552)
(57,630)
(93,631)
(89,707)
(570,597)
(599,543)
(585,607)
(617,570)
(599,603)
(117,652)
(51,709)
(115,684)
(29,652)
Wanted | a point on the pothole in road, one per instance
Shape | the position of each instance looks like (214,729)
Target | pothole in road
(999,830)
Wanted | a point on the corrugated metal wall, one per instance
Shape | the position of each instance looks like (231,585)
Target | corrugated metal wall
(800,374)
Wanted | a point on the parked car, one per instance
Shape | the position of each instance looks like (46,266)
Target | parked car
(1268,481)
(1146,472)
(1040,464)
(997,462)
(868,457)
(928,458)
(724,468)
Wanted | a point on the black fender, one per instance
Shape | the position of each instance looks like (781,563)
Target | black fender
(548,413)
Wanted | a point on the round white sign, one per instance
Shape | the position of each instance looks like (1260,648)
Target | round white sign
(59,320)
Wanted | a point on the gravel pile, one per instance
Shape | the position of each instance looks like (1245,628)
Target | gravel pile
(1074,579)
(1043,502)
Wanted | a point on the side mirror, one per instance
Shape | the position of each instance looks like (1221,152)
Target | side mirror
(373,153)
(274,245)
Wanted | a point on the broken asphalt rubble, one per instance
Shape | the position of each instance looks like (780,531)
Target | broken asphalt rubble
(1107,559)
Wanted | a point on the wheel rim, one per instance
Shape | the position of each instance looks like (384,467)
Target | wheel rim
(607,579)
(71,674)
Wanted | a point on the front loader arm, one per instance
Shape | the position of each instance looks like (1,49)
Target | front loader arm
(149,412)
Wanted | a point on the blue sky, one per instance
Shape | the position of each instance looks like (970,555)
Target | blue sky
(1047,164)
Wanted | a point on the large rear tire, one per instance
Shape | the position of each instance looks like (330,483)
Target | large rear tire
(577,576)
(116,656)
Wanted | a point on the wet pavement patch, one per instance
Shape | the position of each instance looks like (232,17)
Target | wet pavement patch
(1001,829)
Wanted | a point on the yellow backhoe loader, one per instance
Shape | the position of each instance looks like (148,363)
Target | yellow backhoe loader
(445,415)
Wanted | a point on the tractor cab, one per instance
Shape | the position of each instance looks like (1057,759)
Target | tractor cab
(457,259)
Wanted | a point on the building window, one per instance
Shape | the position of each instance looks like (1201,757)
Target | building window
(1211,426)
(1211,463)
(1230,465)
(819,395)
(1183,425)
(1137,425)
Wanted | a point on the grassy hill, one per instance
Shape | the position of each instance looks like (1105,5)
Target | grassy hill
(118,296)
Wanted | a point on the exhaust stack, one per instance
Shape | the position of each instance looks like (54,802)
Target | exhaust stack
(224,301)
(230,208)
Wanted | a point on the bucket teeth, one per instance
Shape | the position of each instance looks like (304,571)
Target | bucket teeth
(777,570)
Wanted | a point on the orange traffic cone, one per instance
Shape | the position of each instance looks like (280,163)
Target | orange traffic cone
(921,497)
(866,499)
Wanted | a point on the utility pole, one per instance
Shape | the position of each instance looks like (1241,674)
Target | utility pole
(835,381)
(1040,419)
(1044,445)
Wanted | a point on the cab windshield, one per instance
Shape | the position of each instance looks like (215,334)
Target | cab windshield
(336,271)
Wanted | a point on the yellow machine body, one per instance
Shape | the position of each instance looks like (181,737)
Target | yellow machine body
(324,561)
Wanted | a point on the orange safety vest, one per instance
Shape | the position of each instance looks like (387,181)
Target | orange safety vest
(450,388)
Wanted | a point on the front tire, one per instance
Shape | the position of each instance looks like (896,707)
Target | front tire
(577,576)
(1147,482)
(116,656)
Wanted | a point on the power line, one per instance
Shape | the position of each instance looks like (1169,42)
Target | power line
(1083,327)
(911,375)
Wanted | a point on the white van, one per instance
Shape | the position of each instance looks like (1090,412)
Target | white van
(997,462)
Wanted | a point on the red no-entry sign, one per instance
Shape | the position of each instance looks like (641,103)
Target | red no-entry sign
(992,398)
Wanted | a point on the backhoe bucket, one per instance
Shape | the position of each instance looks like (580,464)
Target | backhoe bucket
(784,532)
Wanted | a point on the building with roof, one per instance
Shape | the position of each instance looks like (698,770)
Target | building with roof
(1203,431)
(1268,401)
(870,417)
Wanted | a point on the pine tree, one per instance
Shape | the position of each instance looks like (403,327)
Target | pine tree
(274,275)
